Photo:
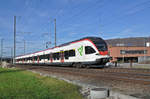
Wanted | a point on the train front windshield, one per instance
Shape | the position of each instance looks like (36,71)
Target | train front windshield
(100,44)
(101,47)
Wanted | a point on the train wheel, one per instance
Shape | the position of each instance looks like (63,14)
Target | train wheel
(74,65)
(77,65)
(87,66)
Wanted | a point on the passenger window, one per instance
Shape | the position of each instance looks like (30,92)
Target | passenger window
(47,56)
(57,56)
(35,58)
(42,57)
(89,50)
(66,54)
(71,53)
(54,56)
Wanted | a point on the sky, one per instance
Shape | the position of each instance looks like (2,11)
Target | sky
(75,19)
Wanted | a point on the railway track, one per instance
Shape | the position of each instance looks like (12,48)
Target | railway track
(138,76)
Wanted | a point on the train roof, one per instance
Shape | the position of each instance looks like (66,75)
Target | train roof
(93,39)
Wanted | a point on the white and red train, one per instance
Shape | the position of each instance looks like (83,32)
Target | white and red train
(84,52)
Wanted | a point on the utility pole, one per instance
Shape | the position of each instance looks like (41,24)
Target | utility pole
(24,47)
(14,39)
(144,49)
(50,34)
(1,50)
(11,55)
(55,32)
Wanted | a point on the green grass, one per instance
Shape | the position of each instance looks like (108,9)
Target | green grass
(16,84)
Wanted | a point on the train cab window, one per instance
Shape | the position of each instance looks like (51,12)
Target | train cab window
(71,53)
(101,47)
(89,50)
(66,54)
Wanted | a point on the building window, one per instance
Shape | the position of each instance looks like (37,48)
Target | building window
(133,51)
(89,50)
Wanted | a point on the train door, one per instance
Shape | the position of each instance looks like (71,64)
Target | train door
(22,60)
(38,59)
(80,53)
(51,57)
(62,56)
(33,59)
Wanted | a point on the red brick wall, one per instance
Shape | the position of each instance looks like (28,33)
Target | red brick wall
(115,51)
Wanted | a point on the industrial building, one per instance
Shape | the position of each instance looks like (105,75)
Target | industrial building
(130,49)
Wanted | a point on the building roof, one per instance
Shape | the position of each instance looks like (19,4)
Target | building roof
(134,41)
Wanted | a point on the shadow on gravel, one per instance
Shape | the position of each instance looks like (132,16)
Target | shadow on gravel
(8,71)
